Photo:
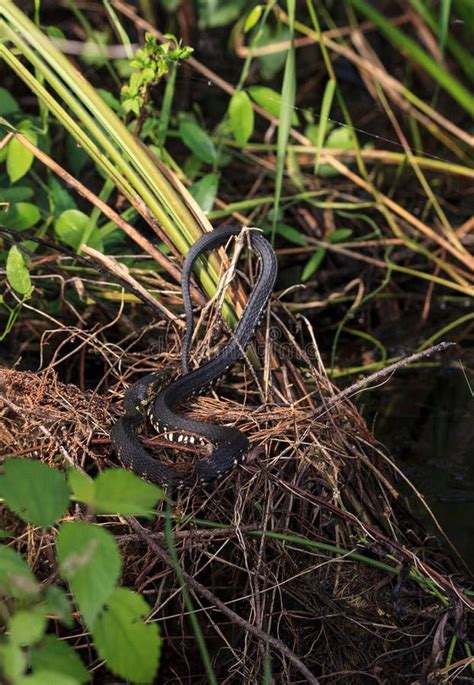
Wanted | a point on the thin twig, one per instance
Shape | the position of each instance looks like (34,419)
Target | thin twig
(232,615)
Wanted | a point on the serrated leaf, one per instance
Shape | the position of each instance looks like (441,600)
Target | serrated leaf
(204,191)
(198,141)
(27,627)
(270,101)
(19,158)
(36,492)
(241,117)
(16,577)
(8,104)
(252,18)
(122,492)
(18,275)
(312,265)
(20,215)
(90,561)
(59,657)
(130,647)
(82,486)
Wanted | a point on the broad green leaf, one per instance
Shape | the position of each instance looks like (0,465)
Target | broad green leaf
(20,216)
(326,105)
(76,156)
(204,191)
(59,657)
(130,647)
(213,14)
(19,158)
(241,117)
(270,101)
(18,275)
(46,677)
(12,660)
(198,141)
(90,561)
(291,234)
(36,492)
(8,104)
(5,534)
(312,265)
(82,486)
(252,17)
(16,577)
(122,492)
(72,226)
(27,627)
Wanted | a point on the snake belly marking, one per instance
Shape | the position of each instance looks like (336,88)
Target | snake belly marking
(147,396)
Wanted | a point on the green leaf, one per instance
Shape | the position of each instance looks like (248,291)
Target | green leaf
(5,534)
(90,561)
(271,64)
(60,197)
(20,216)
(46,677)
(270,101)
(19,158)
(122,492)
(291,234)
(27,627)
(198,141)
(252,17)
(8,104)
(36,492)
(130,647)
(82,486)
(12,660)
(312,265)
(18,275)
(340,138)
(326,105)
(73,225)
(16,194)
(16,577)
(59,657)
(204,191)
(339,235)
(57,604)
(241,117)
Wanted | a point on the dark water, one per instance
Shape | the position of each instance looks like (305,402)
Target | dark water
(425,417)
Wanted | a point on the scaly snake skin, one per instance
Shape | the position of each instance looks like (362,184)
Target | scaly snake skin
(147,395)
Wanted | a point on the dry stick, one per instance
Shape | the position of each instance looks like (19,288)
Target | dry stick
(232,615)
(380,375)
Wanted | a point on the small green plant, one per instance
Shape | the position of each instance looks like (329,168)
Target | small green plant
(88,560)
(150,64)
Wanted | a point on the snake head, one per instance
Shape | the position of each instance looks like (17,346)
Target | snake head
(140,394)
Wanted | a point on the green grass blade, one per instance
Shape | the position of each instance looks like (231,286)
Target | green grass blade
(287,103)
(411,48)
(323,120)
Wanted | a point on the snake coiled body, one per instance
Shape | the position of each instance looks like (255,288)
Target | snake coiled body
(230,444)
